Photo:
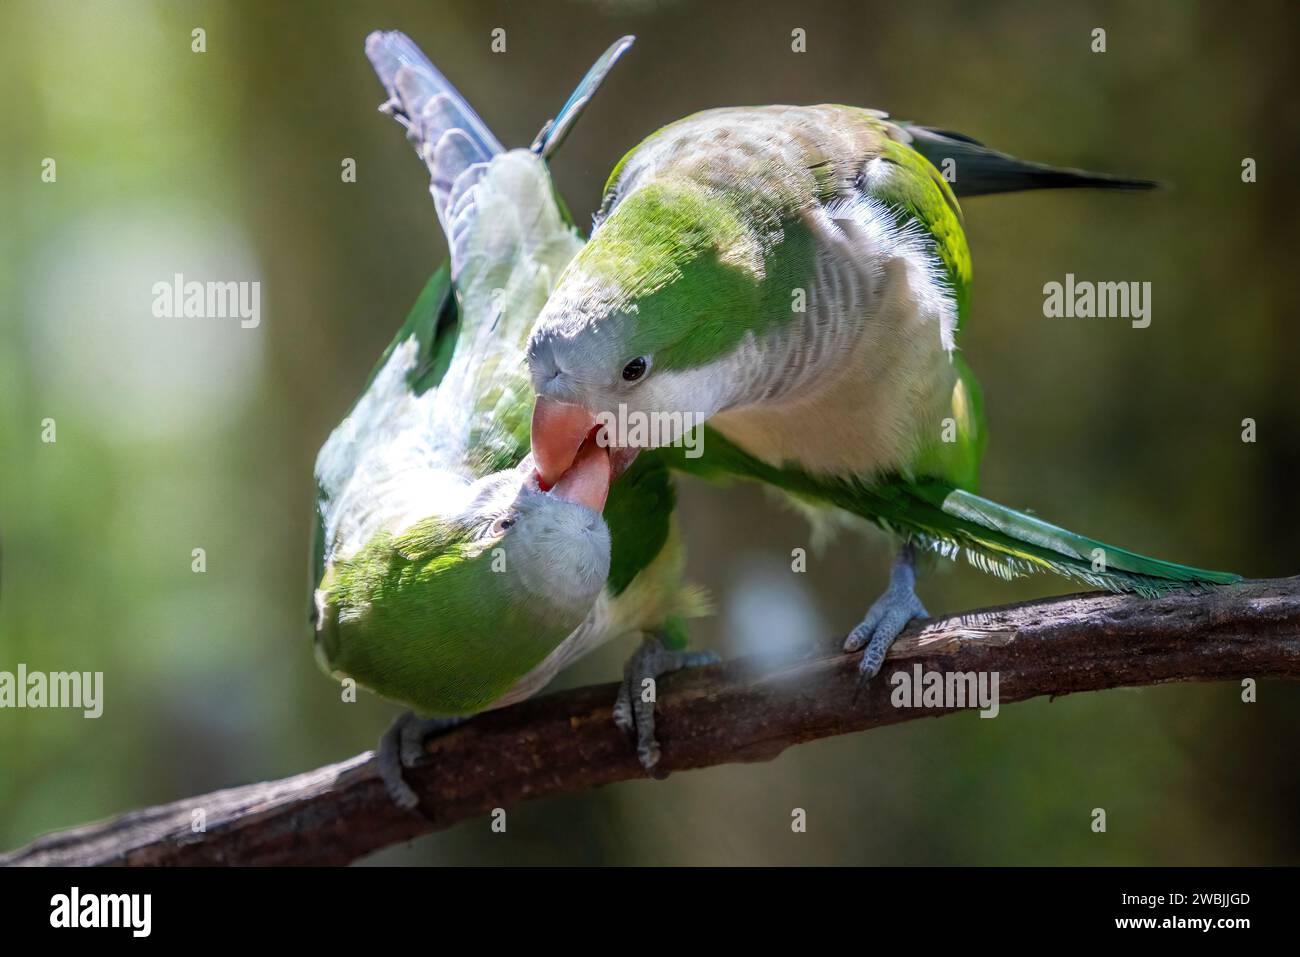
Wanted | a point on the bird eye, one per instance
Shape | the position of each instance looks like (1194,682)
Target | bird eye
(502,523)
(635,369)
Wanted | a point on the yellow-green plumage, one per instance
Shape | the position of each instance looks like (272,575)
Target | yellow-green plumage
(712,228)
(434,550)
(422,594)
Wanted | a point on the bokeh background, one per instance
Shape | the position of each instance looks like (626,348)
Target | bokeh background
(179,434)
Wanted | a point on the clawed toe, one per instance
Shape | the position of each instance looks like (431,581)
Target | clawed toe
(402,746)
(887,617)
(632,712)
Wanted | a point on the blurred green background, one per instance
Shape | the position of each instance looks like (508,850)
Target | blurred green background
(173,435)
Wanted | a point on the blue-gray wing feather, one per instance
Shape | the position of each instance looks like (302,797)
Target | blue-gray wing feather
(455,144)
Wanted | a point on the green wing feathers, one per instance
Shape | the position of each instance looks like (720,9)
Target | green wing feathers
(952,521)
(1008,543)
(434,321)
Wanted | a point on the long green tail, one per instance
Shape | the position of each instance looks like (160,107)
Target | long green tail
(948,520)
(1009,543)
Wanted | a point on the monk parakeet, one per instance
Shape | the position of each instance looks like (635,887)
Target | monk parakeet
(797,277)
(445,577)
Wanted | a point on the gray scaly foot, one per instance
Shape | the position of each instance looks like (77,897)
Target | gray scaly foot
(887,618)
(631,712)
(401,746)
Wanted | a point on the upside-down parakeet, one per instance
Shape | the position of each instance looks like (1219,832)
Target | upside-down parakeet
(445,577)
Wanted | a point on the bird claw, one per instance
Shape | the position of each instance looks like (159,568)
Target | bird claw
(884,622)
(631,711)
(402,746)
(887,617)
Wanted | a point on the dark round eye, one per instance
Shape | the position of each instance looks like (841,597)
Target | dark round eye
(634,369)
(501,524)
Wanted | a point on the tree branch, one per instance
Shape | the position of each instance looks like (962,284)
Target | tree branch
(737,711)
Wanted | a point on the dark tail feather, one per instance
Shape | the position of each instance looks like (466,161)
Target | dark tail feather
(981,171)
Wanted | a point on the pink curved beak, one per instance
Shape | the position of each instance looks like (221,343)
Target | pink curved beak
(559,429)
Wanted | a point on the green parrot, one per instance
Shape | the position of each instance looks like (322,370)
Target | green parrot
(797,277)
(445,578)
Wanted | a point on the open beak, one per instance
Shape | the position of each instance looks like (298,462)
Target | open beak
(586,481)
(559,431)
(566,438)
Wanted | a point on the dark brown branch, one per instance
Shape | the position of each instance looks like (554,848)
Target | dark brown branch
(739,711)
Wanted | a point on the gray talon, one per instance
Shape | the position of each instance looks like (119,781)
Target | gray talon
(888,616)
(401,746)
(651,660)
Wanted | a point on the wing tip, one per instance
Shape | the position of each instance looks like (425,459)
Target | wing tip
(552,134)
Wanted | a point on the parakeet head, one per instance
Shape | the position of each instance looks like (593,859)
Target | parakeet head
(642,325)
(447,614)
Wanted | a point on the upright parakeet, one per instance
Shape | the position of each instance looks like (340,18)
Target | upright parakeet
(445,578)
(797,277)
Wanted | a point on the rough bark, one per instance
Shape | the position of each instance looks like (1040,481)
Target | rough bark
(742,710)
